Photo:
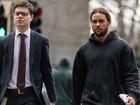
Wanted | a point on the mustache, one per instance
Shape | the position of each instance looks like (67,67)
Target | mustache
(98,29)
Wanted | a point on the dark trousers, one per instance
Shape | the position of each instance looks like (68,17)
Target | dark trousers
(28,98)
(85,104)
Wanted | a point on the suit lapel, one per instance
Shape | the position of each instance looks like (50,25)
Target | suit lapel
(32,48)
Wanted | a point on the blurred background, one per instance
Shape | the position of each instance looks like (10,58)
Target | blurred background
(66,23)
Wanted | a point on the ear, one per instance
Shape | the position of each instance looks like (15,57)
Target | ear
(109,22)
(32,16)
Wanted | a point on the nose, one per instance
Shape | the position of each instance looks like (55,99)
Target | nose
(97,23)
(20,15)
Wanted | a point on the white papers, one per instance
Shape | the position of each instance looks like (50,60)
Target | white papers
(45,95)
(124,97)
(4,101)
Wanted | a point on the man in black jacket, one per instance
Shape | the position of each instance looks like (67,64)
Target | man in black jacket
(25,62)
(104,68)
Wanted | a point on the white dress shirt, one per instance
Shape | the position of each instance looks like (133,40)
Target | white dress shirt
(13,80)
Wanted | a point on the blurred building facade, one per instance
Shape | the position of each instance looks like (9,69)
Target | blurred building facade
(67,26)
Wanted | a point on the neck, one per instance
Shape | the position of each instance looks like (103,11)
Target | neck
(22,29)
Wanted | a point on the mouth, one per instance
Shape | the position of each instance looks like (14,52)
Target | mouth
(19,20)
(98,30)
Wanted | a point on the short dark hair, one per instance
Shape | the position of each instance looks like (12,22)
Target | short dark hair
(24,3)
(102,11)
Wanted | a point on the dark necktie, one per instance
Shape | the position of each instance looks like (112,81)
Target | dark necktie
(22,63)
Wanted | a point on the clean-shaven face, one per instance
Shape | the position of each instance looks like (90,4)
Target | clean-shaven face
(22,17)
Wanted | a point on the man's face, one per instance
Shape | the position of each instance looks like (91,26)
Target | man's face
(99,24)
(22,17)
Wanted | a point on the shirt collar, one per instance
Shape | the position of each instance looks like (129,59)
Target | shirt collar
(27,32)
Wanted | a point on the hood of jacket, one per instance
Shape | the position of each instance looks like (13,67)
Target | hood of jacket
(112,35)
(64,64)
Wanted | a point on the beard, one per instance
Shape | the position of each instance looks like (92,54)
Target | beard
(101,33)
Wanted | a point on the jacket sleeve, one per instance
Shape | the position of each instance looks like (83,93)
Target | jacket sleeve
(0,55)
(79,76)
(130,73)
(46,71)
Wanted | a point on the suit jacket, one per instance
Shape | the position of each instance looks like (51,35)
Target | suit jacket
(40,68)
(0,53)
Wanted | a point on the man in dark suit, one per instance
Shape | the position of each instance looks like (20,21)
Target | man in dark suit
(25,62)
